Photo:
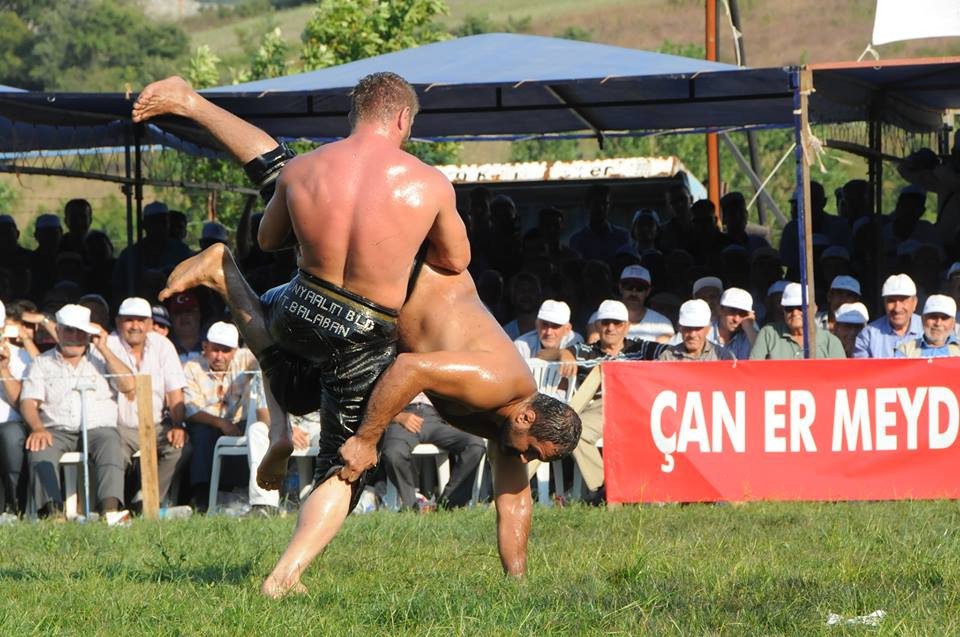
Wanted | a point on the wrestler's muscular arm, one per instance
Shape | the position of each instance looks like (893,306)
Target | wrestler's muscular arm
(449,246)
(511,495)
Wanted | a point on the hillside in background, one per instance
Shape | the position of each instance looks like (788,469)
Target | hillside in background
(775,33)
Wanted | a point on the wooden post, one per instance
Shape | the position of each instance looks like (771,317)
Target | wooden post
(713,147)
(149,486)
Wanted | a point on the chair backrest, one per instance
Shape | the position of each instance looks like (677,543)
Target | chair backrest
(549,380)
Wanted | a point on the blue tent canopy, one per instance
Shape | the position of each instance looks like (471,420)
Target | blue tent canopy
(510,85)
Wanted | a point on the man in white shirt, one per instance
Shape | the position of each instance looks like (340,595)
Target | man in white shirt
(13,433)
(554,330)
(145,351)
(645,324)
(62,386)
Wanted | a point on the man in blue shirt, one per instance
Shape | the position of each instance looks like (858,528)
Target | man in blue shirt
(880,338)
(939,319)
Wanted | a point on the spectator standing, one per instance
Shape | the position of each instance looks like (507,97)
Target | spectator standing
(147,352)
(213,232)
(43,260)
(882,337)
(525,297)
(62,383)
(783,340)
(644,232)
(733,212)
(939,319)
(78,215)
(599,239)
(155,251)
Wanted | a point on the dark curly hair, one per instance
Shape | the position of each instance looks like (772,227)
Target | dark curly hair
(381,95)
(556,422)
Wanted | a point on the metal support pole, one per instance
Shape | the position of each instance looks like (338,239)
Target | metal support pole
(713,147)
(128,193)
(85,386)
(802,80)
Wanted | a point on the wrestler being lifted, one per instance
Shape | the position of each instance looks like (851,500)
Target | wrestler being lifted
(353,206)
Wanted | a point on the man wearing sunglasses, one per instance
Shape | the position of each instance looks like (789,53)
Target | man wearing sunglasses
(783,340)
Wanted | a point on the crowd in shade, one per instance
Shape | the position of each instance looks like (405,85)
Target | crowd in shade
(684,282)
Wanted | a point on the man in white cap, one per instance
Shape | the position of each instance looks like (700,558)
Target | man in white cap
(553,330)
(52,400)
(146,352)
(709,289)
(843,289)
(783,340)
(939,320)
(736,328)
(613,322)
(647,324)
(880,338)
(850,318)
(695,324)
(219,381)
(13,432)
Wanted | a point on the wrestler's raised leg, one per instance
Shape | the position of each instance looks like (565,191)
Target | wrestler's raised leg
(216,269)
(174,96)
(320,518)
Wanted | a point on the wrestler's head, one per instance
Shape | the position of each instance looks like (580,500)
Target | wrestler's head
(386,98)
(544,429)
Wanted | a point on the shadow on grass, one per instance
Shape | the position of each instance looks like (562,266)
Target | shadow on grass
(208,574)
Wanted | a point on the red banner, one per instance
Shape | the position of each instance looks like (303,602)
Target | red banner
(781,430)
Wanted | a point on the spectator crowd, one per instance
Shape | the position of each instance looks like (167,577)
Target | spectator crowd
(682,283)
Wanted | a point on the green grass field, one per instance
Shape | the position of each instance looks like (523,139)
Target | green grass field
(752,569)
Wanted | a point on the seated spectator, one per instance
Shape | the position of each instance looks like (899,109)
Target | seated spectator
(78,216)
(939,319)
(834,261)
(675,219)
(733,212)
(706,240)
(13,433)
(548,231)
(99,255)
(850,319)
(52,401)
(709,289)
(525,296)
(695,323)
(99,309)
(843,289)
(216,396)
(161,321)
(765,268)
(185,318)
(505,251)
(925,169)
(835,229)
(736,329)
(952,286)
(178,225)
(668,305)
(905,223)
(43,260)
(146,352)
(880,338)
(643,234)
(926,267)
(490,291)
(645,323)
(735,266)
(857,201)
(23,315)
(596,285)
(614,321)
(13,256)
(599,239)
(213,232)
(783,340)
(420,423)
(771,301)
(554,330)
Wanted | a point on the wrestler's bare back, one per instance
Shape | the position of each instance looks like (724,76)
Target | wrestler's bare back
(444,314)
(358,207)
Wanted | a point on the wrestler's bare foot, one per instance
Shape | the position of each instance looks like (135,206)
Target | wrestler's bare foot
(172,96)
(274,588)
(204,269)
(273,467)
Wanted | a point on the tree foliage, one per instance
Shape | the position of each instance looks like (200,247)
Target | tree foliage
(86,45)
(343,31)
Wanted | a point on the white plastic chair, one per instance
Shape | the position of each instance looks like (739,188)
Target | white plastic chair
(549,382)
(442,458)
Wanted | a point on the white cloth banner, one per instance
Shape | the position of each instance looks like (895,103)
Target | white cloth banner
(915,19)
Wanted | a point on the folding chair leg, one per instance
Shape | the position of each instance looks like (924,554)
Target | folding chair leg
(543,484)
(305,473)
(214,484)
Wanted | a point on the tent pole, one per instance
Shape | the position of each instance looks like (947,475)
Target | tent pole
(128,193)
(751,136)
(138,179)
(713,147)
(802,87)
